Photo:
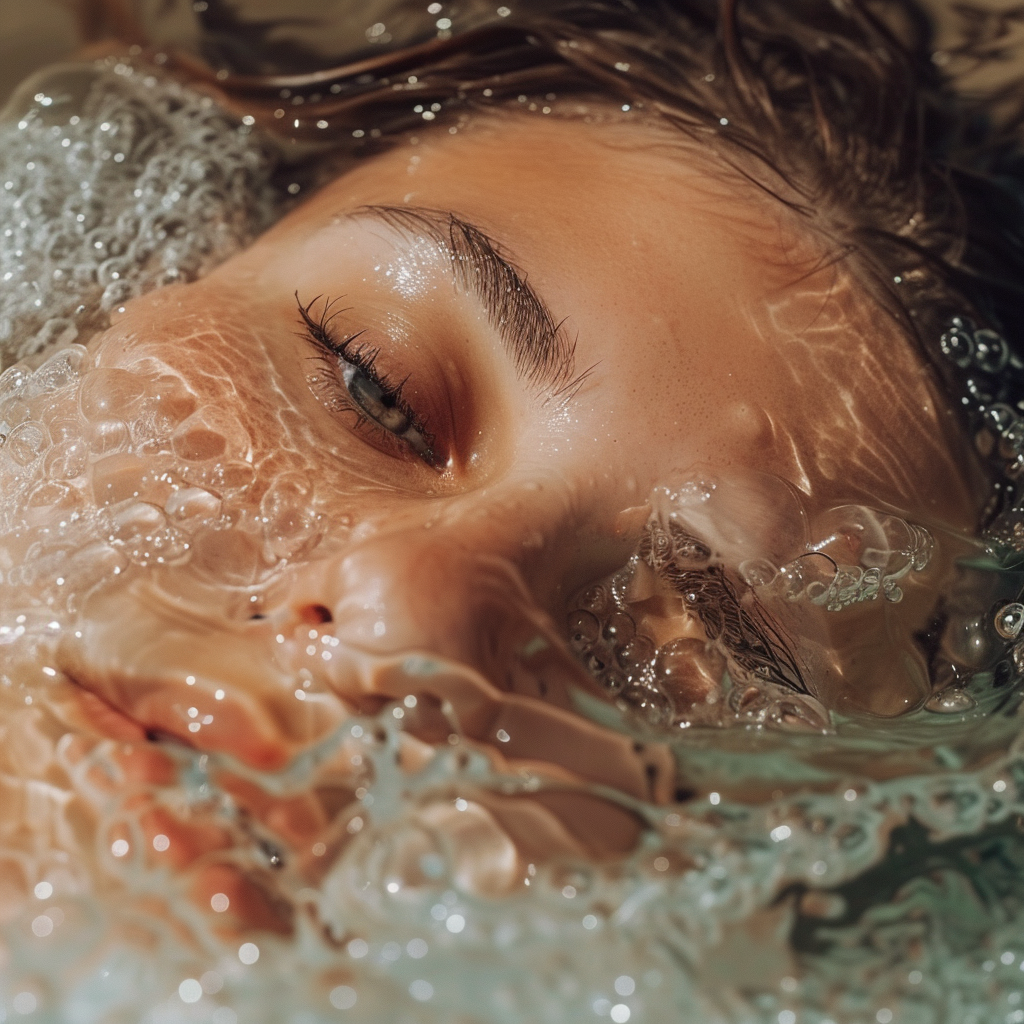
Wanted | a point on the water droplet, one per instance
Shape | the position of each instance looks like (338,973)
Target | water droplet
(950,702)
(1009,620)
(584,631)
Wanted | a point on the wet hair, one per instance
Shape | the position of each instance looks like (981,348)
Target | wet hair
(844,110)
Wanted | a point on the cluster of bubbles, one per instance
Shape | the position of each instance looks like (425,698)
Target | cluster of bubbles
(104,469)
(114,181)
(888,547)
(719,660)
(604,634)
(986,357)
(713,665)
(994,374)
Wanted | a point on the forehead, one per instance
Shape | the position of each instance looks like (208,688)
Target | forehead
(638,201)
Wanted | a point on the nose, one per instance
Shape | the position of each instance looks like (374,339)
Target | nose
(462,617)
(480,579)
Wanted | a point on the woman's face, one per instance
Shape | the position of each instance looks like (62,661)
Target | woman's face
(401,431)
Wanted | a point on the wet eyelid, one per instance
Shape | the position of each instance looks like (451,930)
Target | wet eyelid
(352,380)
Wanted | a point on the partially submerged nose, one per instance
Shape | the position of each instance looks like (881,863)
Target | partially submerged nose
(453,624)
(414,592)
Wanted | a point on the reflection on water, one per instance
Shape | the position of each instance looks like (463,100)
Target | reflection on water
(812,871)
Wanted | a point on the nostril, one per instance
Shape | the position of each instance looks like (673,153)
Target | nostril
(315,614)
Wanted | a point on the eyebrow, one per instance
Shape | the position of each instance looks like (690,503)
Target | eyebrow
(536,343)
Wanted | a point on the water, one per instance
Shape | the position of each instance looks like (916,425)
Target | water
(810,867)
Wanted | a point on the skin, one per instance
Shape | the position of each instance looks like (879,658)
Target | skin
(708,336)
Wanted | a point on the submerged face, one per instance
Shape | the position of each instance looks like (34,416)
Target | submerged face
(384,451)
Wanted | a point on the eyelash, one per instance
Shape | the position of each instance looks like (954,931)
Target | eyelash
(362,358)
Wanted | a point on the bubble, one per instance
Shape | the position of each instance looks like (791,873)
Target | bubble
(109,393)
(950,702)
(811,576)
(67,460)
(227,479)
(618,628)
(169,402)
(972,641)
(990,351)
(1009,620)
(584,631)
(614,681)
(595,600)
(12,383)
(106,437)
(1018,658)
(27,442)
(118,478)
(958,346)
(636,655)
(50,495)
(60,371)
(757,572)
(291,523)
(146,537)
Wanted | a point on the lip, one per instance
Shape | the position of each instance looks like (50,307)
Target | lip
(137,710)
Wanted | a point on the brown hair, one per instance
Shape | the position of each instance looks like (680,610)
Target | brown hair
(839,108)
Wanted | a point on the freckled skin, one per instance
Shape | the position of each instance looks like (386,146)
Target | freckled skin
(709,343)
